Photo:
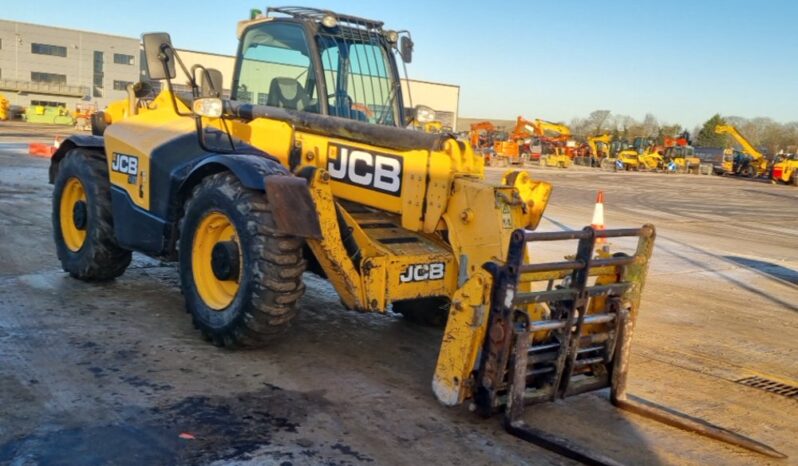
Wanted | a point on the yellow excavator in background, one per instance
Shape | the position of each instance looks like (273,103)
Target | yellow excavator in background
(556,139)
(246,196)
(749,163)
(598,149)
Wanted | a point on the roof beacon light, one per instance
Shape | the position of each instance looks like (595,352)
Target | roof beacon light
(329,21)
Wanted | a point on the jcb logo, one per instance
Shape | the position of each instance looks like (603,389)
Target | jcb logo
(380,172)
(423,272)
(127,164)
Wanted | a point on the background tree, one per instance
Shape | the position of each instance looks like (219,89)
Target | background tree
(597,120)
(767,135)
(706,135)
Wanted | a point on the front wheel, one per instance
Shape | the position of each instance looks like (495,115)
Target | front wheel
(83,227)
(240,278)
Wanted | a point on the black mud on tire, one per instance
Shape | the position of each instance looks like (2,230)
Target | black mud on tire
(272,265)
(100,257)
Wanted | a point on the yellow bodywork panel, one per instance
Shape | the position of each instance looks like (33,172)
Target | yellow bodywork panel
(556,160)
(129,163)
(330,250)
(462,339)
(480,220)
(785,170)
(651,161)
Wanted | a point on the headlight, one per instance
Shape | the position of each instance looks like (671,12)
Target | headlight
(392,36)
(424,114)
(329,21)
(208,107)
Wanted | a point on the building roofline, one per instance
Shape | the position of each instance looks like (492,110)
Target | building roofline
(138,39)
(70,29)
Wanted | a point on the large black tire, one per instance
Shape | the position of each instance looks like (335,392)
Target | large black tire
(270,273)
(430,312)
(99,257)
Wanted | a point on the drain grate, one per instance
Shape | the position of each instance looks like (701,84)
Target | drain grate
(770,386)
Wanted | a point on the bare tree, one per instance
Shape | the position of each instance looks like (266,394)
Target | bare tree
(597,121)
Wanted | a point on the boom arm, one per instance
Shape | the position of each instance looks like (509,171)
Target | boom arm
(523,128)
(561,131)
(593,141)
(748,148)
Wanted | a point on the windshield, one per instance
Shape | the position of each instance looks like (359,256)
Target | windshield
(359,78)
(275,68)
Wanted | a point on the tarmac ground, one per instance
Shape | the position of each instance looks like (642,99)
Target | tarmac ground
(114,373)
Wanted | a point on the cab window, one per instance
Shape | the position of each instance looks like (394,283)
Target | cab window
(275,68)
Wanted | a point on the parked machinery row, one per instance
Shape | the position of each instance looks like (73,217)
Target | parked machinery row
(551,145)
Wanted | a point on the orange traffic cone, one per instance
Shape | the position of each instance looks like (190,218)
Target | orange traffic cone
(598,215)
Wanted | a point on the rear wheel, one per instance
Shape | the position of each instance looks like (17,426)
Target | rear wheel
(83,226)
(430,312)
(241,280)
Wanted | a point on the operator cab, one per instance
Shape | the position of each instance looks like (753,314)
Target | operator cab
(321,62)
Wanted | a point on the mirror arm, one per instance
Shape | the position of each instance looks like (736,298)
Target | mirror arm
(164,59)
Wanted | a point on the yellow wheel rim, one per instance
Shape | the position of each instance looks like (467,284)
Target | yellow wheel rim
(72,194)
(215,293)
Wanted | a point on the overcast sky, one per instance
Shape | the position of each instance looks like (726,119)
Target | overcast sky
(680,60)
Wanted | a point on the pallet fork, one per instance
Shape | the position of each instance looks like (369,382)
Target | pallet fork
(570,339)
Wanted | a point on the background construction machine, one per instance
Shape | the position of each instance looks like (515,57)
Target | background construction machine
(597,148)
(558,147)
(514,149)
(246,197)
(49,115)
(786,170)
(750,162)
(680,156)
(3,108)
(622,156)
(483,136)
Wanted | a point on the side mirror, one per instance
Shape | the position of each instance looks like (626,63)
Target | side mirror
(406,49)
(159,54)
(211,83)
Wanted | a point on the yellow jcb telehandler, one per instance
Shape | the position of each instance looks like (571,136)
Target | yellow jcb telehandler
(749,162)
(292,174)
